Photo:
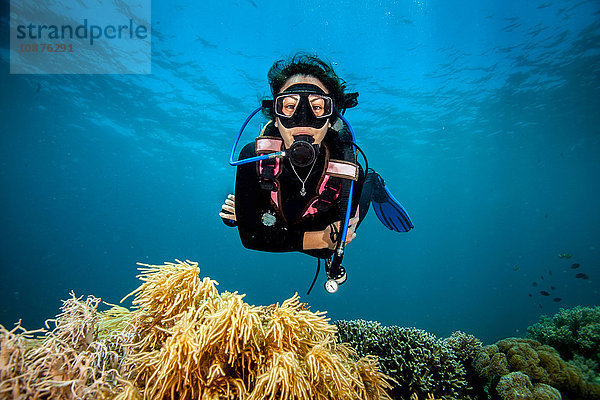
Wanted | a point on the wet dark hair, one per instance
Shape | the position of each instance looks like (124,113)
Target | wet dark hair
(309,65)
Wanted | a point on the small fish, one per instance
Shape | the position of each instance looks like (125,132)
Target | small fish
(557,299)
(581,275)
(552,287)
(565,255)
(542,277)
(540,306)
(530,295)
(575,266)
(544,293)
(550,272)
(534,284)
(515,267)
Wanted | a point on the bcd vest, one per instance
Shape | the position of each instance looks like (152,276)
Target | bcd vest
(334,174)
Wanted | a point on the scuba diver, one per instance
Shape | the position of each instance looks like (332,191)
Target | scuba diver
(299,186)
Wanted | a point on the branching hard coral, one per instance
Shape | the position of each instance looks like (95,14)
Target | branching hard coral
(571,332)
(464,346)
(588,368)
(419,362)
(541,363)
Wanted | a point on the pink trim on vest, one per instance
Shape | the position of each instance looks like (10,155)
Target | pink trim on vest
(268,145)
(322,187)
(343,169)
(312,209)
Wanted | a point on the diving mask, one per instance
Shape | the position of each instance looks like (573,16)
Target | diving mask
(303,104)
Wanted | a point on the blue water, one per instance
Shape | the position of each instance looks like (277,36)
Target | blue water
(483,117)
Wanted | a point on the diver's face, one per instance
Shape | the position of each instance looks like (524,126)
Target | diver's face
(288,134)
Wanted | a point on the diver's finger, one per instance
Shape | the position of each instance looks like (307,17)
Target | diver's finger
(349,238)
(352,224)
(231,196)
(230,202)
(228,208)
(227,216)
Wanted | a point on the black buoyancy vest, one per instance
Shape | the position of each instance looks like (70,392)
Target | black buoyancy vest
(340,167)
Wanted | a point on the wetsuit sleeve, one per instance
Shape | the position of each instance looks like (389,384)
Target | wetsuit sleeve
(251,202)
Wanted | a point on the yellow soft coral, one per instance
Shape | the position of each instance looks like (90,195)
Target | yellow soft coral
(185,340)
(210,345)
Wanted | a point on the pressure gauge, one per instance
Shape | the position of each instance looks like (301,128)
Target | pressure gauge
(331,286)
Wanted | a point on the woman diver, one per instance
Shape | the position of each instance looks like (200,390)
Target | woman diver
(298,184)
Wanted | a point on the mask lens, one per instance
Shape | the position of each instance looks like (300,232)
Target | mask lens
(287,104)
(321,106)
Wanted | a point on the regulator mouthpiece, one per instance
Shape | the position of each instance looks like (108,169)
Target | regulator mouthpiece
(302,152)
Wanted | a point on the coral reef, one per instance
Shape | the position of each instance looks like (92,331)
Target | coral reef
(185,340)
(464,346)
(518,386)
(515,385)
(540,363)
(587,366)
(571,332)
(67,362)
(420,364)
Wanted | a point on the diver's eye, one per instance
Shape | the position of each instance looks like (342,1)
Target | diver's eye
(288,105)
(318,106)
(289,109)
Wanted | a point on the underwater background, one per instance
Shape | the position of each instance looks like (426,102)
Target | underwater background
(483,117)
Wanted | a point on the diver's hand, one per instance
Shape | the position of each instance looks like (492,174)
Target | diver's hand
(325,239)
(332,239)
(228,211)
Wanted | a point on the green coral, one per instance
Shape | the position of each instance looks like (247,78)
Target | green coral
(464,346)
(541,363)
(518,386)
(418,361)
(515,385)
(574,331)
(587,366)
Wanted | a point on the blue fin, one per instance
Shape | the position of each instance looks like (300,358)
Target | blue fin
(389,210)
